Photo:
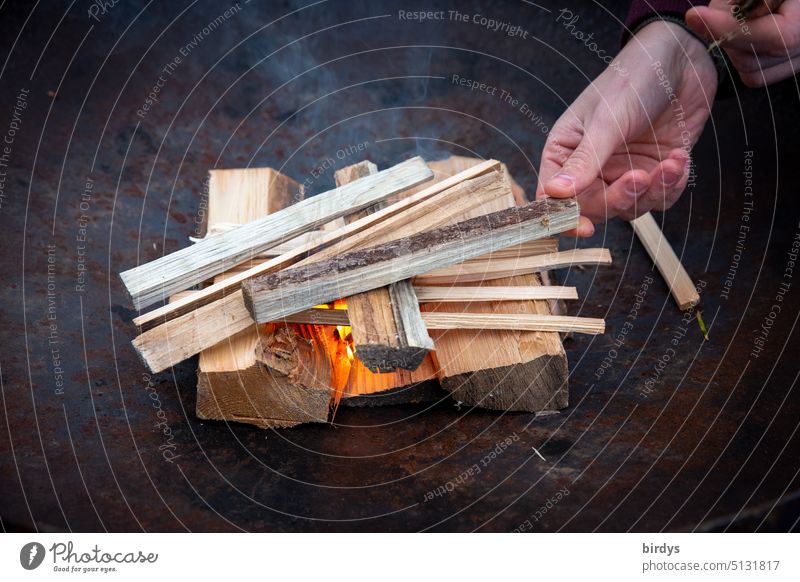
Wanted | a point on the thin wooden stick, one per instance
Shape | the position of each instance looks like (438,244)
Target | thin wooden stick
(158,279)
(657,246)
(485,270)
(468,294)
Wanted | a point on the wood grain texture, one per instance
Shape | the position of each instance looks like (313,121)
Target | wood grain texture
(467,190)
(387,327)
(289,384)
(681,286)
(443,169)
(189,333)
(252,377)
(503,370)
(481,269)
(272,297)
(156,280)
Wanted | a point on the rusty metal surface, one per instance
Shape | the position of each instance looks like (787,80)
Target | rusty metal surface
(674,433)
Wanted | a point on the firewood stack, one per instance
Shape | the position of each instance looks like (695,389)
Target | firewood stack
(400,285)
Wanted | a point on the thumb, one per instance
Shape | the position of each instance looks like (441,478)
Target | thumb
(583,166)
(711,22)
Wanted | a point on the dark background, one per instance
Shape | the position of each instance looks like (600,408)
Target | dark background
(713,447)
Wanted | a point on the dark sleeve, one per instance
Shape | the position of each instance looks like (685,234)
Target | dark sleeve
(641,10)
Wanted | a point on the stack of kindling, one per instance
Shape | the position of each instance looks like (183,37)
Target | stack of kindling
(399,285)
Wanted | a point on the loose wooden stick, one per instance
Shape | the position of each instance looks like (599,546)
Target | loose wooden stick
(667,262)
(485,270)
(518,322)
(156,280)
(273,297)
(344,238)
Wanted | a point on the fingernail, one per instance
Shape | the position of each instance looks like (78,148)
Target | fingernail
(563,180)
(670,179)
(632,189)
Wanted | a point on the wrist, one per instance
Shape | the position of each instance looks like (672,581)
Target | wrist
(683,48)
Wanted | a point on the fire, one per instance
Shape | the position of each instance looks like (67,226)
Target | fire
(343,333)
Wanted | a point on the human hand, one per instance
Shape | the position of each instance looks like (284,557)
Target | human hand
(763,48)
(623,145)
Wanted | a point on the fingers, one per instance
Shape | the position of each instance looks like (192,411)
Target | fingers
(582,166)
(776,33)
(768,74)
(668,180)
(607,201)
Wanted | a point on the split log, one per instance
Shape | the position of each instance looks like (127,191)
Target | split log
(190,266)
(272,297)
(669,265)
(288,383)
(198,328)
(273,375)
(387,327)
(503,370)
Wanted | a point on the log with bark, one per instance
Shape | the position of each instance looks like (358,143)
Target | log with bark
(272,297)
